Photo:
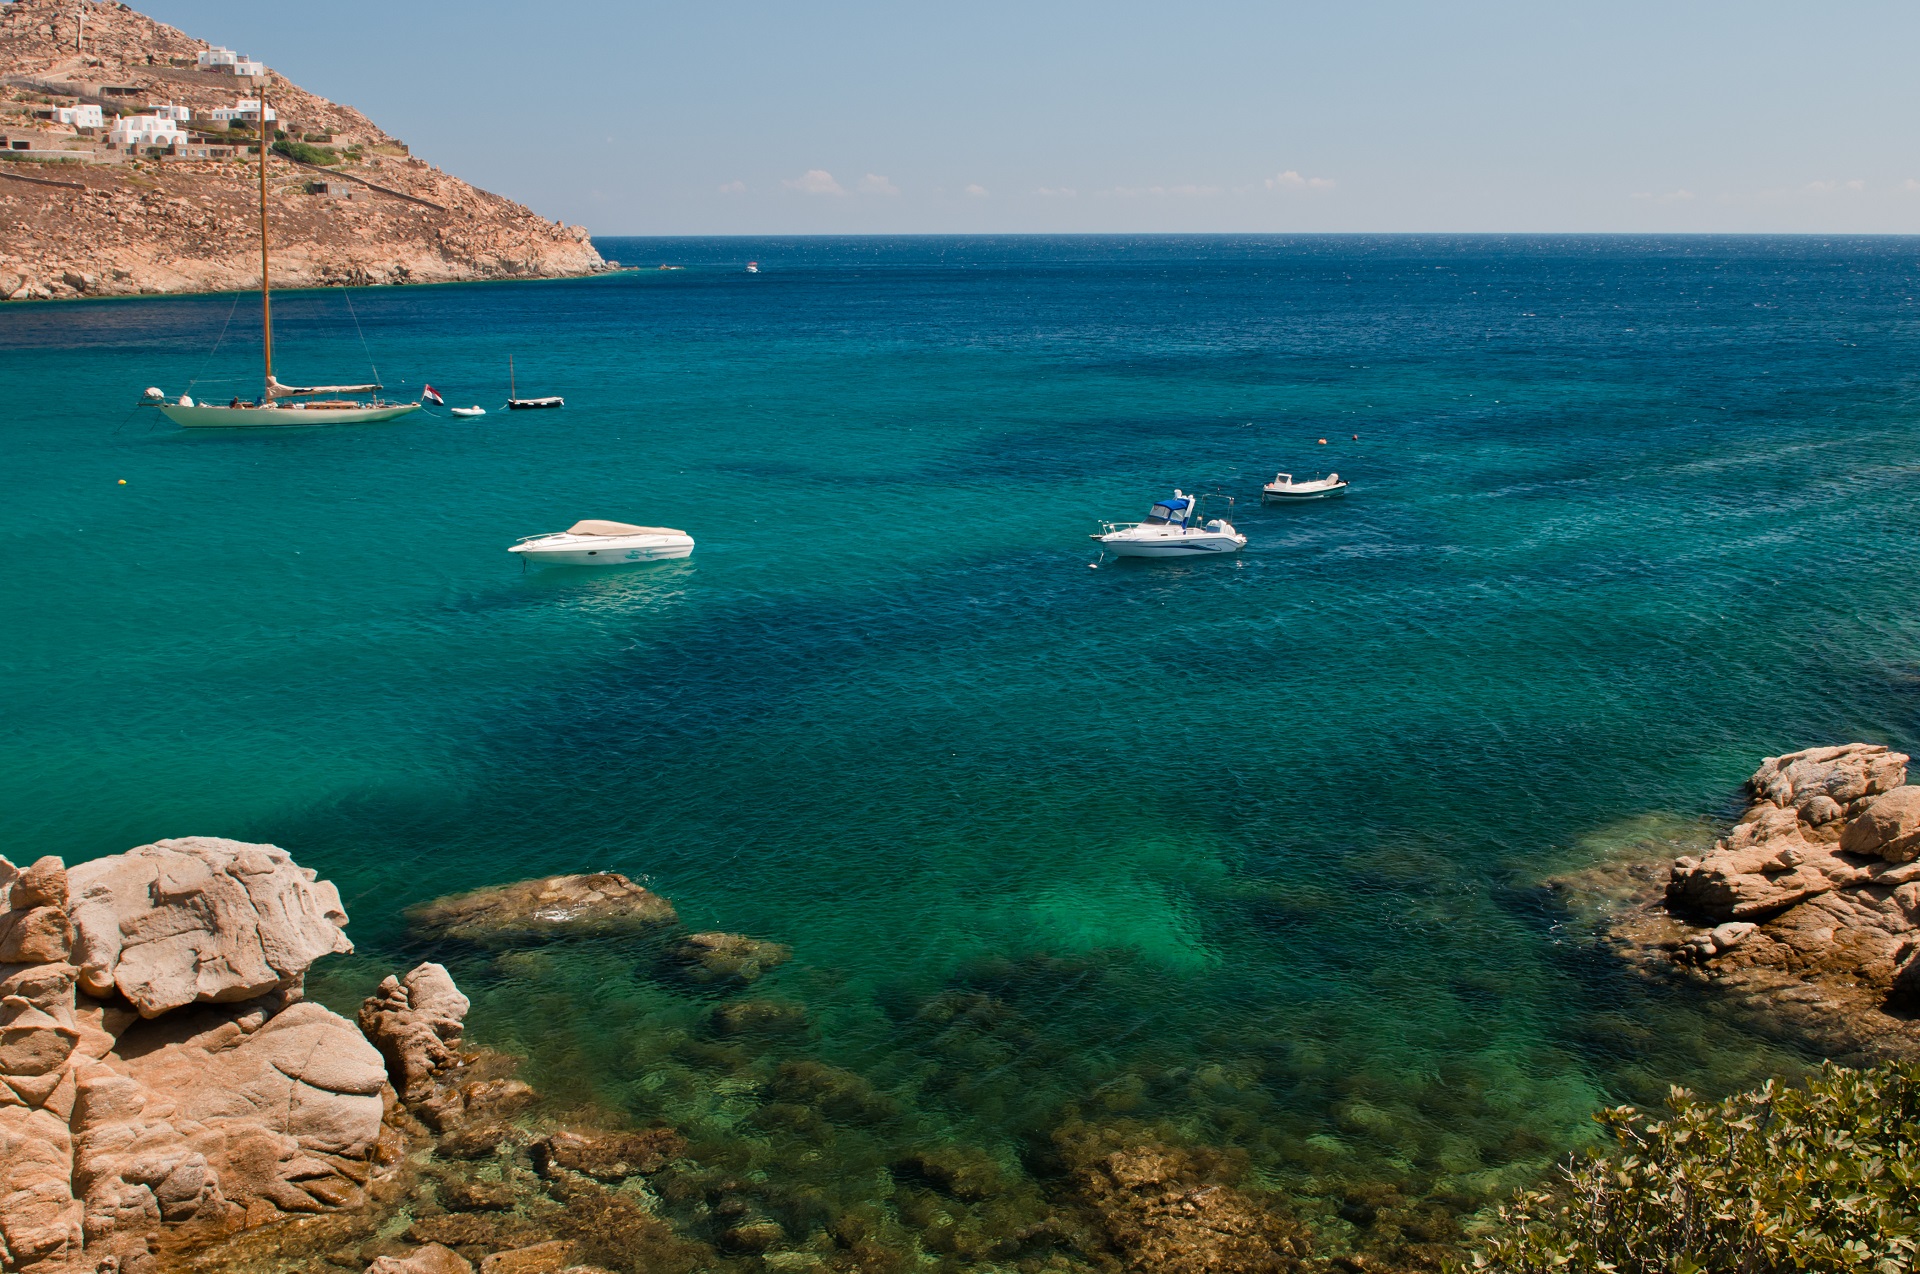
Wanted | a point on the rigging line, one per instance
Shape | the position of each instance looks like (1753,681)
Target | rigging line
(216,342)
(348,293)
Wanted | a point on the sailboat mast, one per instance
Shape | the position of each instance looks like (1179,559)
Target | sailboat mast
(266,297)
(510,393)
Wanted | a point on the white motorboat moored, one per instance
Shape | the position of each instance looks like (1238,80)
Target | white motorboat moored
(1174,528)
(596,543)
(469,411)
(1284,488)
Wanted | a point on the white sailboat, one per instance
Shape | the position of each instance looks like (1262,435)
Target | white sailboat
(304,406)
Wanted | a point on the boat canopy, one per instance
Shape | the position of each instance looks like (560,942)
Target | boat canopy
(1174,510)
(594,526)
(276,390)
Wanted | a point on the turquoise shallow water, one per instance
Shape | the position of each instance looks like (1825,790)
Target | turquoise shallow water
(1244,846)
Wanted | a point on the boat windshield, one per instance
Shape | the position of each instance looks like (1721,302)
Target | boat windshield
(1174,510)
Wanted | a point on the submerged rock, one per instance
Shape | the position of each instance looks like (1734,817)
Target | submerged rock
(758,1017)
(610,1156)
(1176,1210)
(596,905)
(431,1259)
(726,957)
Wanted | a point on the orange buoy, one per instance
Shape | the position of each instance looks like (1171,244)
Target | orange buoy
(123,482)
(1323,442)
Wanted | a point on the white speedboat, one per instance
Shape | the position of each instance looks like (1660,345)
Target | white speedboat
(1284,488)
(596,543)
(464,412)
(1173,528)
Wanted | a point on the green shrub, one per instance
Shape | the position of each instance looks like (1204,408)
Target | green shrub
(305,153)
(1820,1177)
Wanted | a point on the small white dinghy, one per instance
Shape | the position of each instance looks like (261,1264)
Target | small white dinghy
(469,411)
(596,543)
(1283,488)
(1174,528)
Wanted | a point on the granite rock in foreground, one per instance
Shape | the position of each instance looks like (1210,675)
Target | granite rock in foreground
(1809,908)
(158,1067)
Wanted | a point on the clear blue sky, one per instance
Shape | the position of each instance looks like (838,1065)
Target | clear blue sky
(737,116)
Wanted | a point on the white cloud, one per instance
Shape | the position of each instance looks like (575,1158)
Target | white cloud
(1291,180)
(734,188)
(1833,187)
(1057,192)
(815,181)
(875,184)
(1671,196)
(1910,184)
(978,192)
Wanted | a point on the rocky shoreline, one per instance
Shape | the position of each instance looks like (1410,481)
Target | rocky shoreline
(172,1101)
(1806,914)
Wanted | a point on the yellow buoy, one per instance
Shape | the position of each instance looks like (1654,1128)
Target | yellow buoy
(123,482)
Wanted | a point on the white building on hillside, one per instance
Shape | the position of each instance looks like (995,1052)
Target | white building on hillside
(179,114)
(145,130)
(227,62)
(79,116)
(247,109)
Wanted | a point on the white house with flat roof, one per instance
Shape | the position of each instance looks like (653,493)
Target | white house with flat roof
(226,62)
(145,130)
(79,116)
(247,109)
(179,114)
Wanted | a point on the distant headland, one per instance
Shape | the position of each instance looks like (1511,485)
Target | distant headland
(128,164)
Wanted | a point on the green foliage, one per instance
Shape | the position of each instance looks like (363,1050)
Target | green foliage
(305,153)
(1821,1177)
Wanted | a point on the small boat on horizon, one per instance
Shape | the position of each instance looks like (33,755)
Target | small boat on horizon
(753,267)
(592,542)
(1174,527)
(1284,489)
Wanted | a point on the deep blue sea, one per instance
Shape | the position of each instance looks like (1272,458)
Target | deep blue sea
(1247,850)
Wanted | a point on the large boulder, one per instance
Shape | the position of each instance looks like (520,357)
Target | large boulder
(1766,865)
(1819,882)
(156,1062)
(39,1217)
(1889,828)
(200,920)
(599,904)
(1824,785)
(416,1025)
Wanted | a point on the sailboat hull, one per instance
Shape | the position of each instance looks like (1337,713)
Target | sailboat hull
(281,417)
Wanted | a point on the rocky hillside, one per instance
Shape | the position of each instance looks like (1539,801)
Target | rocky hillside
(78,217)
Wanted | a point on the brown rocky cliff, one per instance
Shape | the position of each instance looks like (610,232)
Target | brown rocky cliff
(182,225)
